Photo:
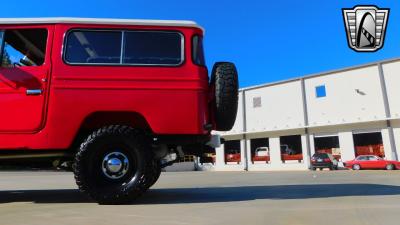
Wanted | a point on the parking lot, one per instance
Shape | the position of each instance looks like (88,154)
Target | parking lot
(318,197)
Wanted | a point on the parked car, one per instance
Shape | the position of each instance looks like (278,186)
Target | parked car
(232,155)
(323,160)
(208,158)
(261,151)
(371,162)
(261,154)
(114,97)
(285,149)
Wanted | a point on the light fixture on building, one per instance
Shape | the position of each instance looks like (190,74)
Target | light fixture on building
(360,92)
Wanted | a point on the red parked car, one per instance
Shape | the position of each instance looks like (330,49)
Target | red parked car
(371,162)
(118,99)
(232,156)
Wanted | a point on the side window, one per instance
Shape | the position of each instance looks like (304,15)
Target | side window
(93,47)
(23,47)
(153,48)
(124,47)
(362,158)
(374,158)
(198,51)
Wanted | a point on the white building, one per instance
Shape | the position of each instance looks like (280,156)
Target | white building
(347,112)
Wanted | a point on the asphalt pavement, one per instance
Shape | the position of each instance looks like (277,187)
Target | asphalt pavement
(307,197)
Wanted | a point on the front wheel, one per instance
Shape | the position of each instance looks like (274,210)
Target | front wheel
(356,167)
(110,165)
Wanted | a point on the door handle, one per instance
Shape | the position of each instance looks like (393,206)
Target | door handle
(33,91)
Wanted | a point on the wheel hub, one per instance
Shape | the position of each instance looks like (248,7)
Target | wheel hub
(115,165)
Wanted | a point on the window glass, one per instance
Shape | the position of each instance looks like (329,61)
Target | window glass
(362,158)
(94,47)
(321,156)
(1,45)
(147,47)
(320,91)
(372,157)
(198,51)
(24,47)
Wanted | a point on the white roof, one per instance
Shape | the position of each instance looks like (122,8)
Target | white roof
(53,20)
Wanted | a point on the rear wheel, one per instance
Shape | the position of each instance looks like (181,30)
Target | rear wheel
(111,164)
(154,172)
(389,167)
(336,167)
(356,167)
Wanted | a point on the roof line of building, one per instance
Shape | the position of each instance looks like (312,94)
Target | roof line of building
(320,74)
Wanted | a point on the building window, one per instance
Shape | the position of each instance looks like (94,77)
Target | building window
(320,91)
(256,102)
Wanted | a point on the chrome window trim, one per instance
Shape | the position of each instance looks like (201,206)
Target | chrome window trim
(123,31)
(121,57)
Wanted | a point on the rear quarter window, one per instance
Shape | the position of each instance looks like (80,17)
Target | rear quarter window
(321,156)
(158,48)
(198,51)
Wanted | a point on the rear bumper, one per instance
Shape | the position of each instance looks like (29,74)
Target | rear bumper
(321,165)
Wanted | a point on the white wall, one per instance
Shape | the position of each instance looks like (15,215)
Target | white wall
(343,104)
(391,73)
(281,108)
(238,126)
(396,134)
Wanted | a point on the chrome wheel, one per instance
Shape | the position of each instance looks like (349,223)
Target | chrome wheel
(115,165)
(389,167)
(356,167)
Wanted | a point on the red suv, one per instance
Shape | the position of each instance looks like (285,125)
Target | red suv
(116,99)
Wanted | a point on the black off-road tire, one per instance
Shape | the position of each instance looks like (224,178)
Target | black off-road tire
(224,78)
(89,160)
(153,174)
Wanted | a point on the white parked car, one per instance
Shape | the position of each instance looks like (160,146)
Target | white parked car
(262,151)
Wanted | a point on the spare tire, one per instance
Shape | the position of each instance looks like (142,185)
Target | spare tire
(224,78)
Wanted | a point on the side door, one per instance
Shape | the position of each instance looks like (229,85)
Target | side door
(377,163)
(369,162)
(362,161)
(24,75)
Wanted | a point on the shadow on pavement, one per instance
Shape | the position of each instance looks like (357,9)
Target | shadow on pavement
(211,194)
